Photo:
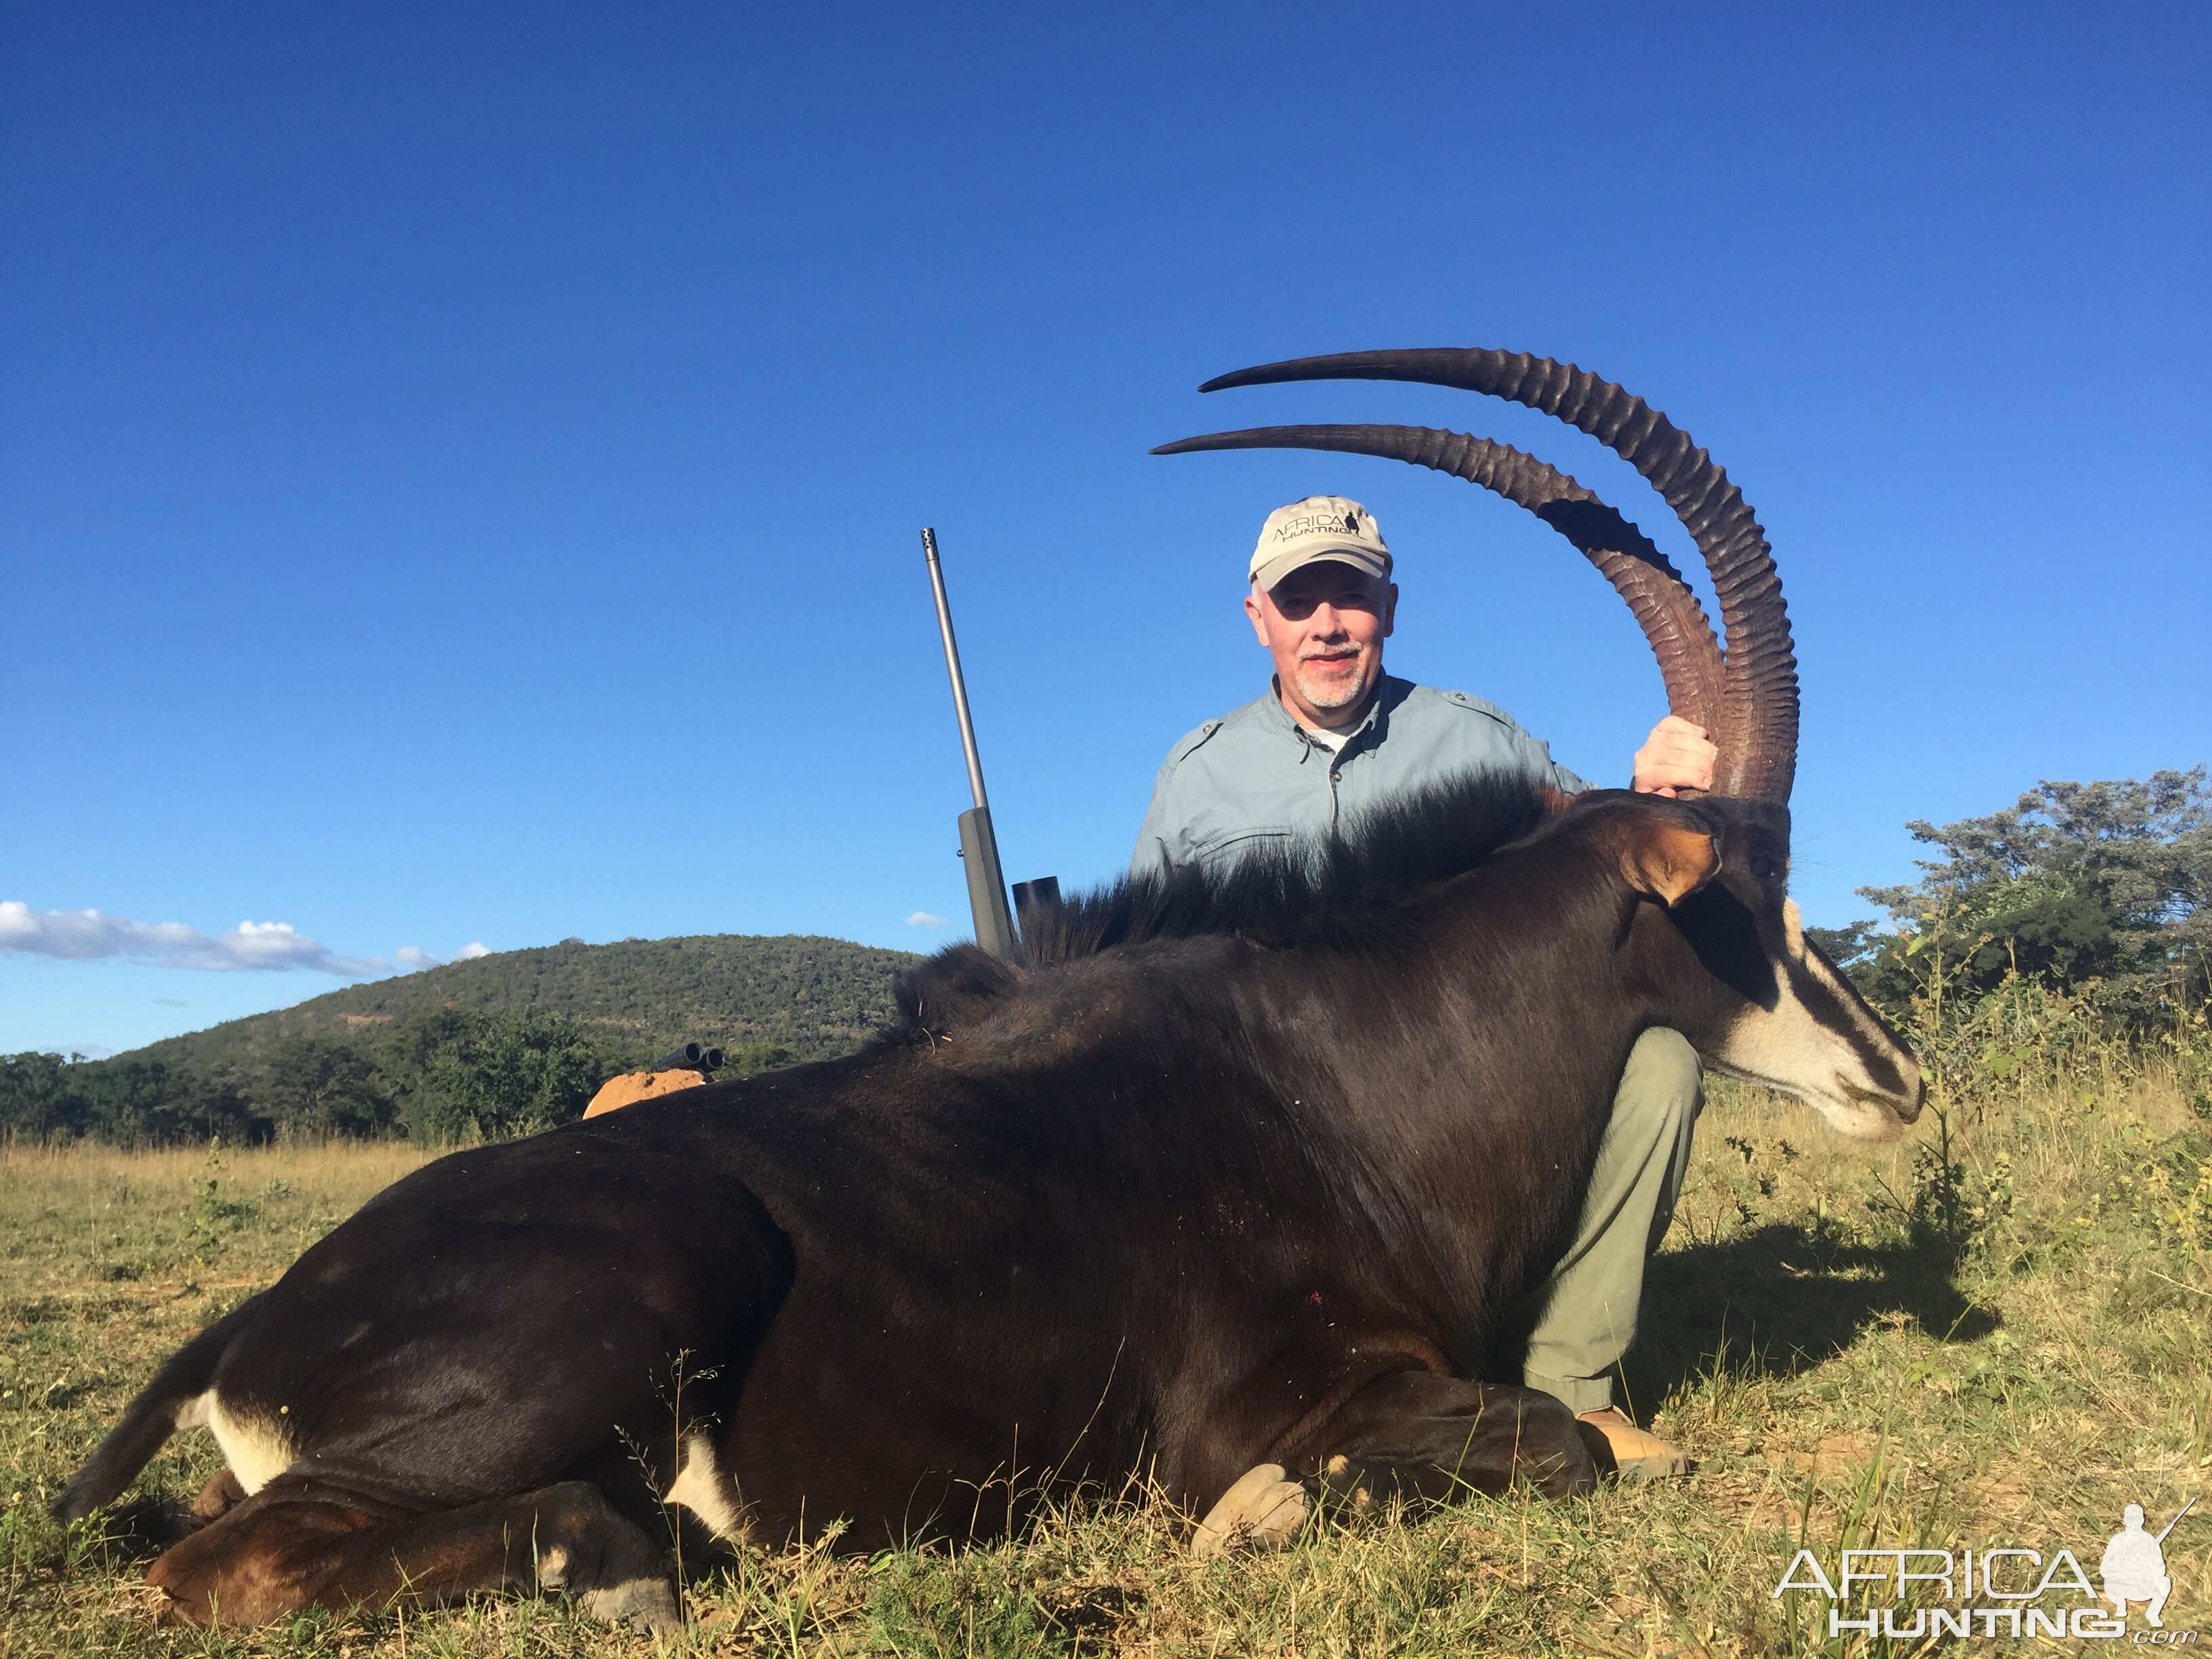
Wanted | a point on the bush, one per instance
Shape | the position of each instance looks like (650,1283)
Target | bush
(508,1075)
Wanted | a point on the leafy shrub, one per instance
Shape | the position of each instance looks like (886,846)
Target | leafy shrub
(506,1075)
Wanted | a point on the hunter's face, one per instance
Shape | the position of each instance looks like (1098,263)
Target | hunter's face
(1324,625)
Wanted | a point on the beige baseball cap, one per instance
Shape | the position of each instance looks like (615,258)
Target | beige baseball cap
(1316,528)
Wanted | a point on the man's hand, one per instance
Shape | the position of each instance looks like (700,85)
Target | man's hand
(1676,756)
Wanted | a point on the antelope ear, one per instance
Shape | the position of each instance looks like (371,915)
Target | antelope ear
(1668,861)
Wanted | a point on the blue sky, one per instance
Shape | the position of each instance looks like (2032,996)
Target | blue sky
(460,467)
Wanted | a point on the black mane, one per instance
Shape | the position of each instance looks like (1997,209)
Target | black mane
(1343,890)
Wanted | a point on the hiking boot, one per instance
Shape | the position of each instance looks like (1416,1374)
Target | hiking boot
(1637,1454)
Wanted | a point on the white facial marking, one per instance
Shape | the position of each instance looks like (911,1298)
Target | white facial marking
(1787,1049)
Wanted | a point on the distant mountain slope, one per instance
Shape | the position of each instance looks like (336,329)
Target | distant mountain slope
(817,997)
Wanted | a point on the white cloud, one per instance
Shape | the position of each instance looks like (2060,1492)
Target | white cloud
(92,935)
(923,918)
(410,958)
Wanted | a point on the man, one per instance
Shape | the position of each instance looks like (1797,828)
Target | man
(1333,735)
(2134,1568)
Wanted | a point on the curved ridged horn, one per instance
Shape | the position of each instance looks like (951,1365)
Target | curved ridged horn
(1757,731)
(1663,606)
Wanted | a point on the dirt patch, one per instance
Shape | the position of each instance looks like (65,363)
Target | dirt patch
(1835,1453)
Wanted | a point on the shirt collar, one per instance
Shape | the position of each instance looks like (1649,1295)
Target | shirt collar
(1390,692)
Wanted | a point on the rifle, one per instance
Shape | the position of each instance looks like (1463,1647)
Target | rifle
(2176,1521)
(979,843)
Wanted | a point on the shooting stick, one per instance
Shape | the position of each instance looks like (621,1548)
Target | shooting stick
(979,843)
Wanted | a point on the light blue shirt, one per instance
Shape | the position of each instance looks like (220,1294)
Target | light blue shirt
(1257,778)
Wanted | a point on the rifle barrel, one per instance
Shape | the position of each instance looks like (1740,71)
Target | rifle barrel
(979,841)
(953,667)
(2176,1521)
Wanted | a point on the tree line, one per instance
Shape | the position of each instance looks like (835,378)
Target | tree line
(441,1077)
(2095,889)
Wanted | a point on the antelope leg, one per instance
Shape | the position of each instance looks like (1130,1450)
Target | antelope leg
(301,1542)
(1421,1435)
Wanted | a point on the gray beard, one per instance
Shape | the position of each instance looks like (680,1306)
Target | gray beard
(1329,697)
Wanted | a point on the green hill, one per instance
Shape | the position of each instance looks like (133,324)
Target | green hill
(813,996)
(499,1045)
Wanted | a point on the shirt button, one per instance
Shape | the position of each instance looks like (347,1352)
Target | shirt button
(1336,777)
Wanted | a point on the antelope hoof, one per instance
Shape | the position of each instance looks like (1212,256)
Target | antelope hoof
(1264,1511)
(644,1601)
(218,1497)
(647,1606)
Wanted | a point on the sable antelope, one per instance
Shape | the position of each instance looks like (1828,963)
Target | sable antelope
(1233,1173)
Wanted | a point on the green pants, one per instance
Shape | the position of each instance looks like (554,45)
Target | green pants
(1585,1311)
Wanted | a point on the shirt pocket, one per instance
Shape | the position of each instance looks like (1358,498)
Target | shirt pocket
(1230,846)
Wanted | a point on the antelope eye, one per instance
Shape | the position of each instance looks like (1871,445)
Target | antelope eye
(1762,866)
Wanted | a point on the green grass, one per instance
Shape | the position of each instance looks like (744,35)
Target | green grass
(2003,1344)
